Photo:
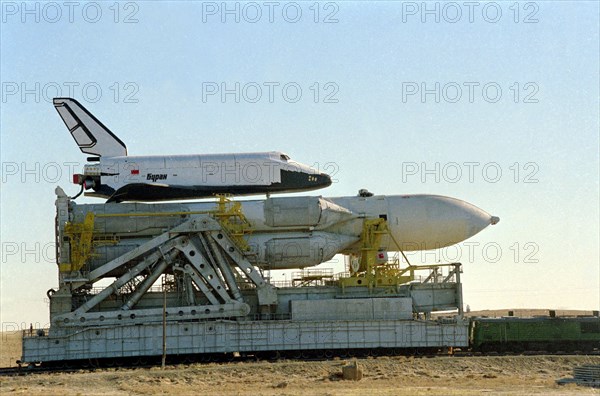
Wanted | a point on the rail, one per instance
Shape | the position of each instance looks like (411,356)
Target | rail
(315,277)
(35,332)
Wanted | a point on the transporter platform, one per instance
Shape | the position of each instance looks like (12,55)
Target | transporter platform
(136,280)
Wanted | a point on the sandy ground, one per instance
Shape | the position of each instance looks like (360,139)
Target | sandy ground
(382,376)
(10,348)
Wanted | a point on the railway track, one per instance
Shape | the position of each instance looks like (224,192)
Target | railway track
(149,362)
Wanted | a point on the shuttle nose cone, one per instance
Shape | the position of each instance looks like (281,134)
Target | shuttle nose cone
(324,180)
(495,220)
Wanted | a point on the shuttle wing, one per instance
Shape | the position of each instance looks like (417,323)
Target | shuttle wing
(155,192)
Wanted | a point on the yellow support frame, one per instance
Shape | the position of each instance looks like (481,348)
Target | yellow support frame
(80,240)
(370,274)
(231,217)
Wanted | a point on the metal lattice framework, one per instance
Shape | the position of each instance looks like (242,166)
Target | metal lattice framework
(205,257)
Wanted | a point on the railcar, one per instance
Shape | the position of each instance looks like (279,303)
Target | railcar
(551,334)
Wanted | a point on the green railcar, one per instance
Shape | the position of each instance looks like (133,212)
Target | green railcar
(535,334)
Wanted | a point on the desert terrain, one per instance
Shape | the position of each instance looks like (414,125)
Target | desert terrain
(400,375)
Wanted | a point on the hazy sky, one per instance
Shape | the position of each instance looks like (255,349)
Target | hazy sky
(494,103)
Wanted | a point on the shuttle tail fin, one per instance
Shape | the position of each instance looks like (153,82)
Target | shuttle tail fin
(89,133)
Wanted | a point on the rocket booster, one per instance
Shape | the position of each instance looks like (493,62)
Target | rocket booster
(300,232)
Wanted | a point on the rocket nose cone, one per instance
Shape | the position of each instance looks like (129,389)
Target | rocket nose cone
(494,220)
(434,221)
(473,218)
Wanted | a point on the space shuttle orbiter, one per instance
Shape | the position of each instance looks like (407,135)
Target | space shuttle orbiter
(119,177)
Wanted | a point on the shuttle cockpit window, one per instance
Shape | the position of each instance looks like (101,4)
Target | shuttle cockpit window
(284,157)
